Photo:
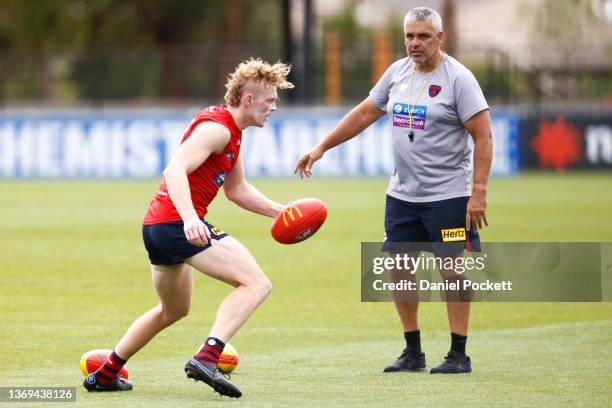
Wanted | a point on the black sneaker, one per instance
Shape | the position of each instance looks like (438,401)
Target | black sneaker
(92,385)
(454,363)
(211,375)
(410,360)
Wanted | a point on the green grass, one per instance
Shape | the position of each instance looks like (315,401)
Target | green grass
(67,247)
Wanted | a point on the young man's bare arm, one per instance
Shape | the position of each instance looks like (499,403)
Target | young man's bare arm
(245,195)
(207,138)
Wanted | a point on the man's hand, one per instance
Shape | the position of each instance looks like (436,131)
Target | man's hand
(479,127)
(304,164)
(196,232)
(476,215)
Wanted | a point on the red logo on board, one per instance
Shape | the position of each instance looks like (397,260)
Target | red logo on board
(434,90)
(557,144)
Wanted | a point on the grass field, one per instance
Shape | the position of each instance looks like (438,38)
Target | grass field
(75,275)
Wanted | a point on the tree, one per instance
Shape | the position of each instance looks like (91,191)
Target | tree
(28,29)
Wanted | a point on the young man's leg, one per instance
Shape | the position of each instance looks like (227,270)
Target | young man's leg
(229,261)
(173,285)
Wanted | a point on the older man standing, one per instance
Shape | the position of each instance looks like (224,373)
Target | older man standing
(434,104)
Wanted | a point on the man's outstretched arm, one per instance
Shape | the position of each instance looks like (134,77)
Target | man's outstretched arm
(353,123)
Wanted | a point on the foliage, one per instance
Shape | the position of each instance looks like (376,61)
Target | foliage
(113,49)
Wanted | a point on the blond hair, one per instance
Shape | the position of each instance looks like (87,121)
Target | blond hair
(259,72)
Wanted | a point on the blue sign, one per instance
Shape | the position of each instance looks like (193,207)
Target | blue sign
(139,143)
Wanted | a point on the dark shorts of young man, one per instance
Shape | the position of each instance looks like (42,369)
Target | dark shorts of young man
(167,245)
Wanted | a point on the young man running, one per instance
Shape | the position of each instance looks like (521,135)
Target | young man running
(178,238)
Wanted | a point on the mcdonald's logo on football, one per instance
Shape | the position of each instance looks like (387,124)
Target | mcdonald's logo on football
(299,220)
(289,212)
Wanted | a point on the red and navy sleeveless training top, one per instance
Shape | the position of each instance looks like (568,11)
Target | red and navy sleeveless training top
(205,181)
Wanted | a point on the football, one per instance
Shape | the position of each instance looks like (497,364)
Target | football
(94,359)
(299,220)
(229,359)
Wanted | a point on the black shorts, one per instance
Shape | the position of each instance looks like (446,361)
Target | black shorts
(437,227)
(167,245)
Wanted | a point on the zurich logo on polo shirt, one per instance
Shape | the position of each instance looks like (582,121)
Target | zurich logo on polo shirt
(401,116)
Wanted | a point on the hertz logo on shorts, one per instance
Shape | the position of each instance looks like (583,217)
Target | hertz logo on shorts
(454,234)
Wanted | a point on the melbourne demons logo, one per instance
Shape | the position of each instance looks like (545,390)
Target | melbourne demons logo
(289,213)
(434,90)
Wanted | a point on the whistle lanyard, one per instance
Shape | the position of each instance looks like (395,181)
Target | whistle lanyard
(411,106)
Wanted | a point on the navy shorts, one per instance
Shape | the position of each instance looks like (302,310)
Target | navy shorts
(167,245)
(437,227)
